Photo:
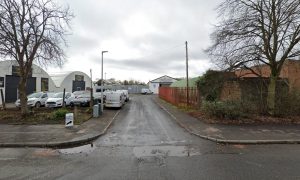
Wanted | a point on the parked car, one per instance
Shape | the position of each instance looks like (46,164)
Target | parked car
(37,99)
(57,100)
(77,93)
(84,99)
(114,99)
(125,93)
(146,91)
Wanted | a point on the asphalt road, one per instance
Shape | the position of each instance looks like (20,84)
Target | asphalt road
(145,143)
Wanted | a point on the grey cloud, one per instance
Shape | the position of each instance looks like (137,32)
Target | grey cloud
(79,43)
(175,22)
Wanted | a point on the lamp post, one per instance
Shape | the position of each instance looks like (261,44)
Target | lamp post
(102,79)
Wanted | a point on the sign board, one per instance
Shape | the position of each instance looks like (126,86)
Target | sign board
(69,122)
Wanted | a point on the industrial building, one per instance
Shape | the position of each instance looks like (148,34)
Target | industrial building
(39,80)
(163,81)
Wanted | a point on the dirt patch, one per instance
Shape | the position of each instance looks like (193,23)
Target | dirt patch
(253,120)
(43,116)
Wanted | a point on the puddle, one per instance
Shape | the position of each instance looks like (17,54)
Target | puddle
(86,149)
(45,153)
(175,151)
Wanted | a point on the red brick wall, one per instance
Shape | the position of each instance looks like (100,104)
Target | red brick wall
(231,91)
(294,74)
(290,71)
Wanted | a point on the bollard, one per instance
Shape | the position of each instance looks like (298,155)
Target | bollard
(96,111)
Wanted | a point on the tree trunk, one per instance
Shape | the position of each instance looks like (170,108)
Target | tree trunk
(23,96)
(271,100)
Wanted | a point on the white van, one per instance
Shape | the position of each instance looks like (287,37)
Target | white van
(114,99)
(125,93)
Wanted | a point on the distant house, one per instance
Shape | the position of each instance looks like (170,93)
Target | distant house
(163,81)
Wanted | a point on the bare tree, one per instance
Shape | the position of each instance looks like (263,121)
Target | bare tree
(32,31)
(255,32)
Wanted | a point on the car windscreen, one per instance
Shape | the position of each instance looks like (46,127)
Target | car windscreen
(35,95)
(50,95)
(84,96)
(58,95)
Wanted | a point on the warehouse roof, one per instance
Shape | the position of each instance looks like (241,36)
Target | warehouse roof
(182,83)
(164,79)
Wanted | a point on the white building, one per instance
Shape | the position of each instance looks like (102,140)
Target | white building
(71,81)
(164,81)
(38,80)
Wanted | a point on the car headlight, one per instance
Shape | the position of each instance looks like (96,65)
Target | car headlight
(30,102)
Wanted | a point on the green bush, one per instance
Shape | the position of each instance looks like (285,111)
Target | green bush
(210,85)
(60,113)
(223,109)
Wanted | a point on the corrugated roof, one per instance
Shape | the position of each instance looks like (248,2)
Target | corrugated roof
(165,78)
(182,83)
(59,77)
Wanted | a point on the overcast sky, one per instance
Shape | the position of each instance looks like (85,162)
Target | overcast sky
(145,38)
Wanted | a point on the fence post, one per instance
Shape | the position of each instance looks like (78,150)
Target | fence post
(2,99)
(64,104)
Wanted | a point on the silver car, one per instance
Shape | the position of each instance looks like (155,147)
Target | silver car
(84,99)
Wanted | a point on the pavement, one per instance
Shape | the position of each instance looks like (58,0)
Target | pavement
(233,134)
(56,136)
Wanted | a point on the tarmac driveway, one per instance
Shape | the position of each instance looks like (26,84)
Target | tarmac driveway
(143,123)
(145,143)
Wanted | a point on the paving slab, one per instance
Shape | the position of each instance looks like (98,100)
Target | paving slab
(233,134)
(55,135)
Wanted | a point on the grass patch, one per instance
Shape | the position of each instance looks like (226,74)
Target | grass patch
(44,116)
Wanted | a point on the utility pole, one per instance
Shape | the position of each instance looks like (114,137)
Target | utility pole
(187,73)
(91,89)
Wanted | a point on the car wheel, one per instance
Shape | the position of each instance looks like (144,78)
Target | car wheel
(37,104)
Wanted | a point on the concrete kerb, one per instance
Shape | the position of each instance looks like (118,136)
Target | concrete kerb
(229,141)
(64,144)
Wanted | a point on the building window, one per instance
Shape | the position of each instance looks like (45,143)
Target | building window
(44,84)
(1,81)
(79,78)
(154,85)
(16,71)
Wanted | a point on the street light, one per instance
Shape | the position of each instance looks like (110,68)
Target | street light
(102,80)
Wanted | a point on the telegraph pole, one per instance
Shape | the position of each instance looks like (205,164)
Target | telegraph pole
(187,73)
(91,89)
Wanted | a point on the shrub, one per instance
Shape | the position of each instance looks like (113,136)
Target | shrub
(211,84)
(223,109)
(60,113)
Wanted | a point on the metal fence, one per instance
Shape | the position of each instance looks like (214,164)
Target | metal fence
(132,89)
(178,96)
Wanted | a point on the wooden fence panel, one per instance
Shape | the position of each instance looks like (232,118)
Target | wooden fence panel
(178,96)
